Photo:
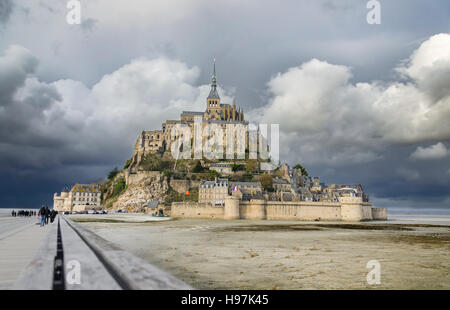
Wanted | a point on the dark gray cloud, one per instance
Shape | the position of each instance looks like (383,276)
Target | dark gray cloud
(20,110)
(89,24)
(6,8)
(14,68)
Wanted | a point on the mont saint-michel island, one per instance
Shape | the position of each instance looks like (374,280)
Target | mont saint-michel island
(164,178)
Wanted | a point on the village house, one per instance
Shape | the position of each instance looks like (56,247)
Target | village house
(221,168)
(79,198)
(213,192)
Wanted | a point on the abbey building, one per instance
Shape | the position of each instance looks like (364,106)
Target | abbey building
(217,112)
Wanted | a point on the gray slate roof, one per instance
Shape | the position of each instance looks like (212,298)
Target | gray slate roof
(213,94)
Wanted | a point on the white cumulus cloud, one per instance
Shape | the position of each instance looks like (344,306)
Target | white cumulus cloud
(437,151)
(327,119)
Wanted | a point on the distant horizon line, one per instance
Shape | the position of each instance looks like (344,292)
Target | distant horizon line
(391,210)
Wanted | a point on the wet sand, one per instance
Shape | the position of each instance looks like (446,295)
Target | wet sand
(245,254)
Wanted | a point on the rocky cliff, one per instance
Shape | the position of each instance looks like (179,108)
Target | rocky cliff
(137,195)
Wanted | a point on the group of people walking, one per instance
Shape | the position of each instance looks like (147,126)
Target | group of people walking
(44,213)
(15,213)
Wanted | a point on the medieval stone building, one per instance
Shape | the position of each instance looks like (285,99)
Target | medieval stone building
(79,198)
(217,113)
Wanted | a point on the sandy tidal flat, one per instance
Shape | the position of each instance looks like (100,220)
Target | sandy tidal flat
(245,254)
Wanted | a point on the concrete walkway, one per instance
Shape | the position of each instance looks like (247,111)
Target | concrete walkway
(20,239)
(88,262)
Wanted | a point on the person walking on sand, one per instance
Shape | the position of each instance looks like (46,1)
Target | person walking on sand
(42,213)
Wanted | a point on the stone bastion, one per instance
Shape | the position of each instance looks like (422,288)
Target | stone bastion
(347,209)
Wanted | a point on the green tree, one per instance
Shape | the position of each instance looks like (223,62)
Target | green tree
(198,168)
(167,173)
(119,187)
(302,169)
(267,182)
(237,167)
(213,174)
(128,163)
(112,174)
(251,166)
(247,177)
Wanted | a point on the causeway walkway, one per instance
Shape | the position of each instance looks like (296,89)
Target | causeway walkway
(20,239)
(65,255)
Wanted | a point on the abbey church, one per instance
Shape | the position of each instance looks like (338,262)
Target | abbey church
(216,112)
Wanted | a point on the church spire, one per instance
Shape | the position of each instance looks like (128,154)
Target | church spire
(213,94)
(214,81)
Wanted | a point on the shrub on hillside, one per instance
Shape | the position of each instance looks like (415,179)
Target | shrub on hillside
(247,177)
(119,187)
(112,174)
(167,173)
(198,168)
(127,163)
(251,166)
(267,182)
(154,162)
(212,174)
(237,167)
(302,169)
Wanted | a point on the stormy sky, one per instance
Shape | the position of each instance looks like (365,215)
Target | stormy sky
(356,103)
